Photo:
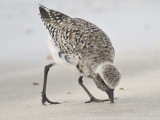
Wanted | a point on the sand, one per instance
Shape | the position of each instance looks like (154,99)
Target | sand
(133,27)
(136,97)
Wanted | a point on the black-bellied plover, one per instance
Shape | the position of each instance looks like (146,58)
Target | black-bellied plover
(83,48)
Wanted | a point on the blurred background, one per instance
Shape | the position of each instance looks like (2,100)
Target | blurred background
(134,29)
(132,25)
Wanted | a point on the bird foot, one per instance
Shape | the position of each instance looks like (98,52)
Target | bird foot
(45,99)
(96,100)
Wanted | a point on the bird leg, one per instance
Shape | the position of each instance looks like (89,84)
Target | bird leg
(92,98)
(44,97)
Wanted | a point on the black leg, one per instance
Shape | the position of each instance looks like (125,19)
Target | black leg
(92,98)
(44,97)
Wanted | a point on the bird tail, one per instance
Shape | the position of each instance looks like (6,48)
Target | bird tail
(52,15)
(44,12)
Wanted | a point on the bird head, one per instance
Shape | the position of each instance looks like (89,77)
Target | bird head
(109,75)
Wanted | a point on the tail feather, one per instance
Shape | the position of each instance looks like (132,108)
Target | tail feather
(43,12)
(49,14)
(53,19)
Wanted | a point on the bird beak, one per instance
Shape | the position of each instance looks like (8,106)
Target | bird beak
(110,93)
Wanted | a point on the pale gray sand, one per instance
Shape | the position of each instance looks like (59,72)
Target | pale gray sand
(20,99)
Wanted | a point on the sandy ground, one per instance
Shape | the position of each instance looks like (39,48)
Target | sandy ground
(20,99)
(134,30)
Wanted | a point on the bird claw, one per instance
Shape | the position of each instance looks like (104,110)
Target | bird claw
(45,99)
(96,100)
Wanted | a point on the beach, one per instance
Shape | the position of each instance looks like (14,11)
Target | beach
(133,27)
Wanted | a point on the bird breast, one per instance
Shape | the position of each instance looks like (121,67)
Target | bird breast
(69,61)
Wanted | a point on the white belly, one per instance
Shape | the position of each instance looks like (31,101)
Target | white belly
(61,60)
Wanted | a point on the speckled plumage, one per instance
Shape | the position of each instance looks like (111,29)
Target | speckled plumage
(82,47)
(80,39)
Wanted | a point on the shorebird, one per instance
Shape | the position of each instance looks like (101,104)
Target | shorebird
(83,48)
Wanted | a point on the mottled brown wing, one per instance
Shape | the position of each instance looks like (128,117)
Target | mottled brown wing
(76,36)
(95,41)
